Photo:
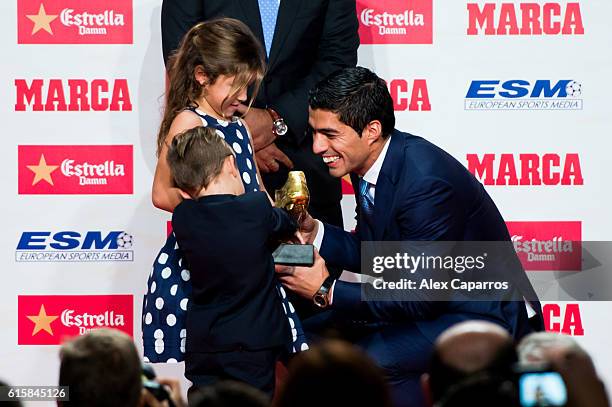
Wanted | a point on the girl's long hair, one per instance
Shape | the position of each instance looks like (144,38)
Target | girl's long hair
(223,46)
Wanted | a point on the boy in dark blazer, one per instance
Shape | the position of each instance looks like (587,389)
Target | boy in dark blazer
(235,321)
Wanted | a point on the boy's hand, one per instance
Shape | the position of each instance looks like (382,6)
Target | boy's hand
(308,228)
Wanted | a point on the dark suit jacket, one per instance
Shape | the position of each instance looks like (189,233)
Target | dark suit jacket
(424,194)
(313,38)
(225,240)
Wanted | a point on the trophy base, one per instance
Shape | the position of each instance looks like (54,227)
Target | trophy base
(294,255)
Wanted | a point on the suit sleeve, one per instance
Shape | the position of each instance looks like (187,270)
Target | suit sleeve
(341,249)
(430,212)
(337,49)
(177,17)
(280,224)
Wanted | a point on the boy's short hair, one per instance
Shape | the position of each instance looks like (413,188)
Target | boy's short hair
(196,157)
(101,368)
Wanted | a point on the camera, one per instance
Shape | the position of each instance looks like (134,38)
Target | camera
(540,386)
(523,385)
(152,386)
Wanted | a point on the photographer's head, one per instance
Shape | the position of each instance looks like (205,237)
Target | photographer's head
(333,373)
(351,114)
(228,393)
(101,368)
(468,356)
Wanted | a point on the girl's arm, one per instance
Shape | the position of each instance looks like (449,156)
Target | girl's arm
(262,187)
(164,194)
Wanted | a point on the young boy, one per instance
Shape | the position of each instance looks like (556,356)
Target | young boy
(236,326)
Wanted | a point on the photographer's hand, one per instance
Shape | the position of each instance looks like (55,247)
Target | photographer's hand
(174,389)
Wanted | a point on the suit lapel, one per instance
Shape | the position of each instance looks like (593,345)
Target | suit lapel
(385,185)
(286,15)
(252,18)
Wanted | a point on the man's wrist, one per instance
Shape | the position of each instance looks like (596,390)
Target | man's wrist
(279,127)
(322,298)
(318,233)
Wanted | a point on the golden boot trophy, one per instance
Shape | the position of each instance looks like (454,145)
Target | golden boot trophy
(294,197)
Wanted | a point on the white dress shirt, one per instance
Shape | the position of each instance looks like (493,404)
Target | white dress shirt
(371,176)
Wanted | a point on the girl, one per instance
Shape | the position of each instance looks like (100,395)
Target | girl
(209,75)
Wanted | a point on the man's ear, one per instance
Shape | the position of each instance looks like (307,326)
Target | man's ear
(200,76)
(372,131)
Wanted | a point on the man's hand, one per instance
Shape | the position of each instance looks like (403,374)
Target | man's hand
(269,157)
(304,281)
(260,124)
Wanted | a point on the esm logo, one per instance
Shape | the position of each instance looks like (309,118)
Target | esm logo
(73,246)
(520,94)
(525,18)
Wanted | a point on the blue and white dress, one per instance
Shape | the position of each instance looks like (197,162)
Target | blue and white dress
(165,303)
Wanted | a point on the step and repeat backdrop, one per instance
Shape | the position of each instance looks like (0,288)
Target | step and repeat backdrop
(516,90)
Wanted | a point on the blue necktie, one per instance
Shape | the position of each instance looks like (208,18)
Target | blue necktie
(268,10)
(366,201)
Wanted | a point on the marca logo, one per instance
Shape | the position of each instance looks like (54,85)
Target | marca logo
(75,170)
(73,246)
(563,318)
(553,245)
(552,18)
(72,95)
(519,94)
(74,22)
(395,22)
(411,97)
(526,169)
(53,319)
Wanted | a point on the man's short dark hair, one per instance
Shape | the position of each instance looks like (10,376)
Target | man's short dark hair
(101,368)
(358,96)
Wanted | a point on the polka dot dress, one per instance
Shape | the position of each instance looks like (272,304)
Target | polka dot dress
(166,302)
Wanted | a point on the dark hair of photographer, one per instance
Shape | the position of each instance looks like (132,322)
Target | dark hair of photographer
(444,377)
(101,368)
(467,356)
(482,389)
(228,393)
(333,374)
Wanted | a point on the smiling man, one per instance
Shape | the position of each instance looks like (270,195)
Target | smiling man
(409,190)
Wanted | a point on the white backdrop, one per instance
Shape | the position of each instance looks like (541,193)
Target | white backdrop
(449,66)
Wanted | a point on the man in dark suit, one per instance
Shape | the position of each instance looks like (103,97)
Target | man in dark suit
(409,190)
(305,41)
